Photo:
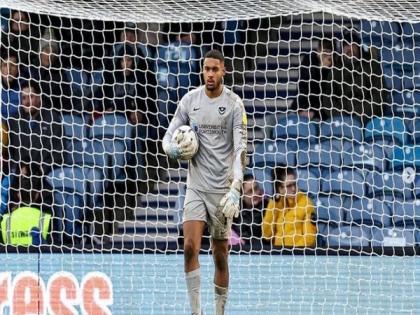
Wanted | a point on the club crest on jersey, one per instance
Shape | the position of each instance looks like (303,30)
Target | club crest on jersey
(194,126)
(222,110)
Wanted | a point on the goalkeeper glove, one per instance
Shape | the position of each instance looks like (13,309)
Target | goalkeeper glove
(180,151)
(230,202)
(173,151)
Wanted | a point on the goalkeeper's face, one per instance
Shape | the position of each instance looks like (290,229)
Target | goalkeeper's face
(213,72)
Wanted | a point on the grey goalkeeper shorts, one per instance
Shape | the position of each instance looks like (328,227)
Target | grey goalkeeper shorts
(204,206)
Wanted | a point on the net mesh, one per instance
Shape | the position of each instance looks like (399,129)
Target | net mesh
(331,92)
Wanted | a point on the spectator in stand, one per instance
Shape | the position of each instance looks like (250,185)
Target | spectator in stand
(177,71)
(288,217)
(4,175)
(47,70)
(314,71)
(10,87)
(356,85)
(126,89)
(22,37)
(35,134)
(29,221)
(129,37)
(247,226)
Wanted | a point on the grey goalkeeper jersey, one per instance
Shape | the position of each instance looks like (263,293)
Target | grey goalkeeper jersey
(220,124)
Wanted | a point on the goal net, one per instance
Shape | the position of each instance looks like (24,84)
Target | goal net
(90,204)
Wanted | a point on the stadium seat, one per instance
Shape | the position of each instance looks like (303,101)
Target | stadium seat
(342,127)
(329,209)
(379,33)
(358,210)
(331,153)
(347,182)
(74,191)
(112,137)
(307,181)
(365,157)
(406,213)
(397,184)
(315,155)
(391,129)
(404,59)
(417,186)
(349,236)
(393,237)
(406,157)
(381,210)
(411,34)
(413,126)
(75,135)
(296,128)
(274,153)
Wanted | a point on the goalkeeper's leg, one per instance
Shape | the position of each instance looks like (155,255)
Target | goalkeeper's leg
(221,275)
(193,232)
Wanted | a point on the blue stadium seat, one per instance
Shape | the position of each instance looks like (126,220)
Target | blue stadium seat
(112,137)
(411,34)
(359,210)
(299,128)
(365,157)
(391,129)
(274,153)
(316,155)
(342,127)
(347,182)
(393,237)
(406,157)
(331,153)
(406,213)
(417,186)
(329,209)
(368,211)
(379,33)
(397,184)
(75,134)
(75,189)
(404,60)
(381,210)
(307,181)
(413,126)
(349,236)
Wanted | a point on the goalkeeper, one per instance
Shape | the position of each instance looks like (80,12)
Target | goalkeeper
(215,174)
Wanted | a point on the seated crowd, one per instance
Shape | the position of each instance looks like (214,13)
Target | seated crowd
(97,121)
(87,119)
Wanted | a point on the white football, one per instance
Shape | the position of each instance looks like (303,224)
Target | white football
(184,135)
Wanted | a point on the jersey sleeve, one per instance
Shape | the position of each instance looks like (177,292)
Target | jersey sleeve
(239,140)
(180,119)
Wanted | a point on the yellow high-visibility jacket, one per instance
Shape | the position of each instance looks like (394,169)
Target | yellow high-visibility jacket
(288,222)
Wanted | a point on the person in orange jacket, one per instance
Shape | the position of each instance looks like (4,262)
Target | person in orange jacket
(288,217)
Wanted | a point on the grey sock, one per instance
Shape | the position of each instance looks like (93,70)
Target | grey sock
(220,295)
(193,280)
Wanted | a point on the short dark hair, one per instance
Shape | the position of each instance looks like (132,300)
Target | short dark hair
(32,84)
(215,54)
(326,43)
(351,37)
(8,53)
(279,175)
(248,177)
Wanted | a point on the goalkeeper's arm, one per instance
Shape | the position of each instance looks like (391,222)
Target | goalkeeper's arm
(173,150)
(230,202)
